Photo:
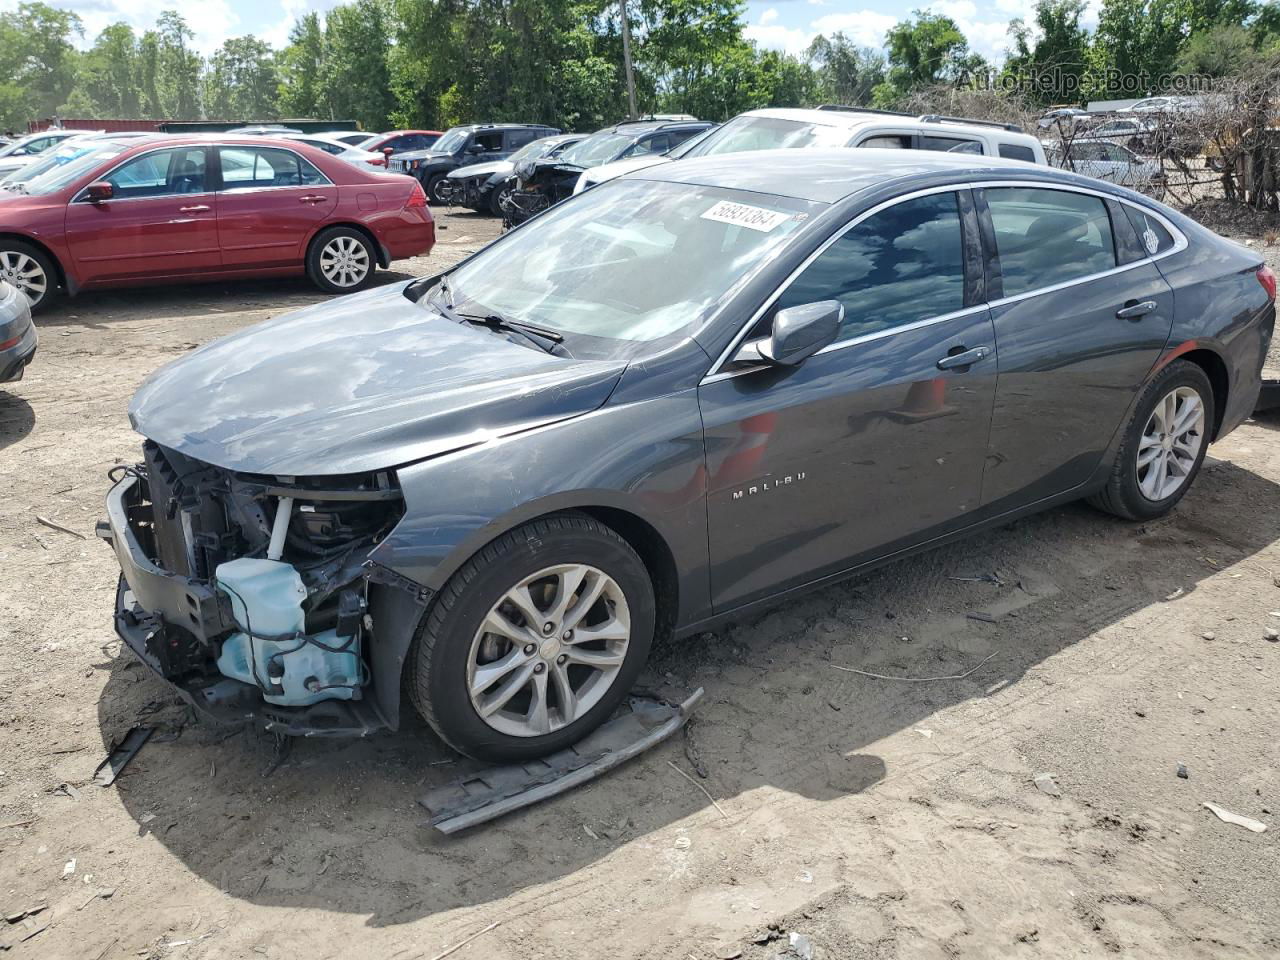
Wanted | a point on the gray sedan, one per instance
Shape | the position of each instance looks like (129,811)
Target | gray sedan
(676,398)
(17,333)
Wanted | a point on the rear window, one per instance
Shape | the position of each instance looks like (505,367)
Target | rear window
(949,144)
(1044,237)
(1153,236)
(1016,151)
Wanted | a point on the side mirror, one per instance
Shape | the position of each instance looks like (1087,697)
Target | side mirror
(388,151)
(99,192)
(800,332)
(474,148)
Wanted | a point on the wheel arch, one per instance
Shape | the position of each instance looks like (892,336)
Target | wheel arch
(380,252)
(65,280)
(1215,368)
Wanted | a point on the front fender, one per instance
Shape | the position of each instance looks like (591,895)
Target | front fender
(645,459)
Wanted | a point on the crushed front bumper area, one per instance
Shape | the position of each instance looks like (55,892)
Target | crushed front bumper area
(179,625)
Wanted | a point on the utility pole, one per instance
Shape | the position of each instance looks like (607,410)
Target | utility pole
(626,59)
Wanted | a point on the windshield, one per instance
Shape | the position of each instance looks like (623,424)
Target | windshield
(596,149)
(532,151)
(452,140)
(768,133)
(631,260)
(55,178)
(59,157)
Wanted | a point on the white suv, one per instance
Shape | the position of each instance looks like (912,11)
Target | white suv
(837,126)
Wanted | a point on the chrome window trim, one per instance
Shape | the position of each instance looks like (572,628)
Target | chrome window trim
(80,194)
(716,372)
(219,147)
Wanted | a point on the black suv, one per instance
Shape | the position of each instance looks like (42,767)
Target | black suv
(473,143)
(542,183)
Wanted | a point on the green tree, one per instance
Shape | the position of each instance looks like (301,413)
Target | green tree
(1049,57)
(355,82)
(241,81)
(1139,40)
(300,65)
(171,69)
(923,52)
(37,62)
(108,75)
(844,72)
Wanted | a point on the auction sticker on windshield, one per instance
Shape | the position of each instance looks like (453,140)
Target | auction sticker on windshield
(745,215)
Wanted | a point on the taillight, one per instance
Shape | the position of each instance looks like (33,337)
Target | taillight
(417,198)
(1267,277)
(377,161)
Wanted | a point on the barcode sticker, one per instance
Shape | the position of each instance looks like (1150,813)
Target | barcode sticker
(745,215)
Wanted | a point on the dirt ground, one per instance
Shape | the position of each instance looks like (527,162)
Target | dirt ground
(873,817)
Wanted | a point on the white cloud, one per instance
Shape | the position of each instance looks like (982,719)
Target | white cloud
(212,23)
(775,37)
(769,16)
(866,28)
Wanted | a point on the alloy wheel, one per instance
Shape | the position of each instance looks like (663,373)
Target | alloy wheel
(1170,443)
(24,272)
(344,261)
(548,650)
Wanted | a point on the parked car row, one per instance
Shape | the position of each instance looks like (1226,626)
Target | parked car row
(111,211)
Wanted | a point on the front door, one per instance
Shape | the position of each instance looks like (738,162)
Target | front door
(159,221)
(270,202)
(1077,336)
(875,442)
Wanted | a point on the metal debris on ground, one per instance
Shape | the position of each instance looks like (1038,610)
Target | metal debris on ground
(1048,784)
(459,946)
(120,756)
(1182,771)
(57,526)
(801,945)
(68,790)
(981,578)
(1257,826)
(882,676)
(643,723)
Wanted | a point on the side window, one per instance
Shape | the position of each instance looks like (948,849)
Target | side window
(256,167)
(1151,232)
(519,138)
(903,264)
(893,141)
(949,144)
(659,143)
(489,142)
(1016,151)
(1045,237)
(160,174)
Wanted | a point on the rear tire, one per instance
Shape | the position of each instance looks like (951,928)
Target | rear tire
(31,271)
(532,687)
(341,260)
(1165,442)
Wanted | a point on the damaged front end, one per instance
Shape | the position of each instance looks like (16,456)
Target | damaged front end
(255,595)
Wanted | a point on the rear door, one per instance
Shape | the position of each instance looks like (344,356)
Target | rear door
(159,222)
(269,203)
(875,442)
(1078,330)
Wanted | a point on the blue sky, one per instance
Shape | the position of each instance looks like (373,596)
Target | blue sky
(780,24)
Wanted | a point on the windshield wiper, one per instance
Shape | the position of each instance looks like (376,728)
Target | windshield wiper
(540,337)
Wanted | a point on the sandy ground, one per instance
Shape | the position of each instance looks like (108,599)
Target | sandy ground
(876,818)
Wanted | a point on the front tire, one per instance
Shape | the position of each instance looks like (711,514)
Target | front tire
(341,260)
(29,270)
(535,640)
(1164,444)
(438,190)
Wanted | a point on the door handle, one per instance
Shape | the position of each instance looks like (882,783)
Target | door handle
(313,198)
(963,358)
(1134,310)
(198,208)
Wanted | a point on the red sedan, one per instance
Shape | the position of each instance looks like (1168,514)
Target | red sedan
(180,209)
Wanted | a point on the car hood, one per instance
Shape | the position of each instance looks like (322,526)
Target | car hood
(13,163)
(483,169)
(607,171)
(365,382)
(427,155)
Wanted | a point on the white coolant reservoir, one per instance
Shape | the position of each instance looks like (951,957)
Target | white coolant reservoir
(271,651)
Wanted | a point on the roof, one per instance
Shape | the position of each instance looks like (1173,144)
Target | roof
(827,176)
(643,126)
(852,117)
